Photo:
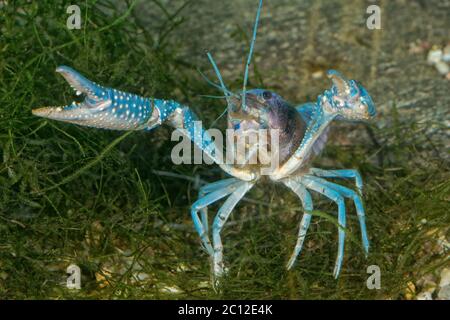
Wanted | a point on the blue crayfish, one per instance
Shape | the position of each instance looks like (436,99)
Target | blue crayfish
(303,132)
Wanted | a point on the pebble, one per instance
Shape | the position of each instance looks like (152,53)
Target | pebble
(446,53)
(171,289)
(434,56)
(318,74)
(410,290)
(444,293)
(445,277)
(428,285)
(424,296)
(141,276)
(418,47)
(439,58)
(442,67)
(443,244)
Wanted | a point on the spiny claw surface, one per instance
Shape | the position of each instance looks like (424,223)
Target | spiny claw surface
(100,107)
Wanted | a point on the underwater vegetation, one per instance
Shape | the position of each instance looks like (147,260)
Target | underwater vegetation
(115,205)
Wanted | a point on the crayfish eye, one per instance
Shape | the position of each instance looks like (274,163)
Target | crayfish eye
(267,95)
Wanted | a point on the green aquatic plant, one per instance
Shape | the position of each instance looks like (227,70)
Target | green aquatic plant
(89,197)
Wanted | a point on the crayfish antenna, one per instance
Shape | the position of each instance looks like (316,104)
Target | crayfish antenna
(215,85)
(249,57)
(226,92)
